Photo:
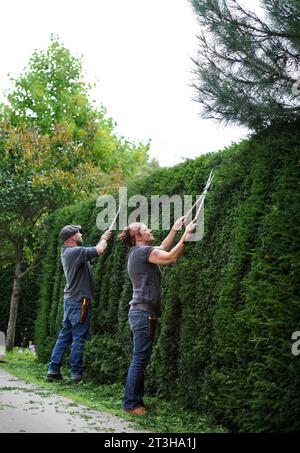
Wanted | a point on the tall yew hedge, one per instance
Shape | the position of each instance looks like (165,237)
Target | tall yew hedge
(230,304)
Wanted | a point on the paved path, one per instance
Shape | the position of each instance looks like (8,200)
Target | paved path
(32,409)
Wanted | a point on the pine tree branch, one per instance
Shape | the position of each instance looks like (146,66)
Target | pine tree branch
(265,29)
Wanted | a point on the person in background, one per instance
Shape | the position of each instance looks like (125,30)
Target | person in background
(143,268)
(79,292)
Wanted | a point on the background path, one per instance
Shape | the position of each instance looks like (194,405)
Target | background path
(32,409)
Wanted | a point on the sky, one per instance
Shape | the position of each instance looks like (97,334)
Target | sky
(138,52)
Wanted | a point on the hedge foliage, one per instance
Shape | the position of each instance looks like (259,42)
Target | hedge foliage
(230,304)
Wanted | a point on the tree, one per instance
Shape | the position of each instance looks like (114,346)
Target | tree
(38,174)
(50,91)
(56,148)
(248,63)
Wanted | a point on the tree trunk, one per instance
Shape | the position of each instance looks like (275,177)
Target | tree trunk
(14,301)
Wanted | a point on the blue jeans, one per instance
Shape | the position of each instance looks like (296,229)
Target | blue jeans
(142,346)
(73,333)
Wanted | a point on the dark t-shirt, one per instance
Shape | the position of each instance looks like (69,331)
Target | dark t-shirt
(145,277)
(78,273)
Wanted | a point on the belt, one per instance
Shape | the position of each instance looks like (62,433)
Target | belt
(145,307)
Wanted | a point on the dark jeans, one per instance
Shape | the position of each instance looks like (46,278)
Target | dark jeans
(73,333)
(142,346)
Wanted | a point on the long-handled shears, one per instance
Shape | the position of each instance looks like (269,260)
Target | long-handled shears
(115,218)
(201,198)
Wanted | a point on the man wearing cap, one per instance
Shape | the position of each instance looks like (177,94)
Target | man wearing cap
(79,291)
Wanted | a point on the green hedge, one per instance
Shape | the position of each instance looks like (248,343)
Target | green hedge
(230,304)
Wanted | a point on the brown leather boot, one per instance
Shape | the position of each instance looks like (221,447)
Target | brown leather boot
(137,411)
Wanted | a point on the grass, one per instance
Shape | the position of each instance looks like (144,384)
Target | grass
(162,416)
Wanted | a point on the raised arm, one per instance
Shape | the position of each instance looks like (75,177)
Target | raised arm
(168,241)
(158,256)
(102,244)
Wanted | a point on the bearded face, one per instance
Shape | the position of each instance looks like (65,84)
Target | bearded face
(78,239)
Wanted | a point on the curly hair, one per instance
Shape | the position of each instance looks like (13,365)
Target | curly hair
(127,238)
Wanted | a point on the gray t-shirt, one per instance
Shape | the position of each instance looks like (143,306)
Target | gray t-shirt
(78,273)
(145,277)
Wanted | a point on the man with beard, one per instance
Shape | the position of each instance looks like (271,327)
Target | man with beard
(79,292)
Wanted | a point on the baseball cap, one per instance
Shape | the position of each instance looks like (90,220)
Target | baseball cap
(68,231)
